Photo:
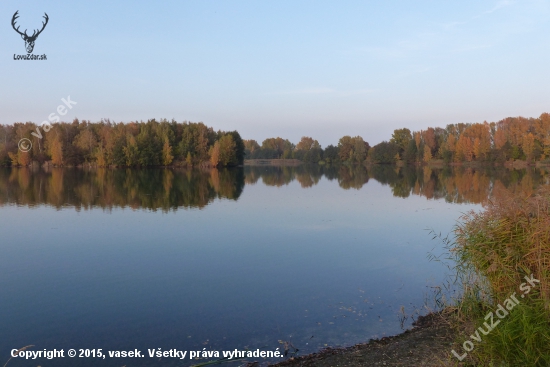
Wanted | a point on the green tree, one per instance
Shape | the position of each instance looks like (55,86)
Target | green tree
(360,149)
(227,151)
(330,154)
(383,153)
(131,152)
(238,148)
(401,137)
(251,147)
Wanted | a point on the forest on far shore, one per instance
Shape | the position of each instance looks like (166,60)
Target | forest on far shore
(136,144)
(513,138)
(187,144)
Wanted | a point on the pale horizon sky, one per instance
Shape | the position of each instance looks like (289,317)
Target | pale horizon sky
(324,69)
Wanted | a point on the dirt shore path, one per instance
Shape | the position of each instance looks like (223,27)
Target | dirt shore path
(429,343)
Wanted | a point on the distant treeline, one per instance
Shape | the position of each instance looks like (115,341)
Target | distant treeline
(167,143)
(513,138)
(308,150)
(104,143)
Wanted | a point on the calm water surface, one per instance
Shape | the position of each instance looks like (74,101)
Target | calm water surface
(241,258)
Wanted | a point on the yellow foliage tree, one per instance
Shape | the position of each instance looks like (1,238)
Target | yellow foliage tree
(427,153)
(100,157)
(24,158)
(528,145)
(546,142)
(451,143)
(167,156)
(56,151)
(215,154)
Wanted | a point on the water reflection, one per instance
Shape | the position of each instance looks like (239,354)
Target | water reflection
(153,189)
(167,189)
(279,264)
(454,184)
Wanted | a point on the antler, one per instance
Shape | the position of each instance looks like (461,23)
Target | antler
(34,35)
(15,16)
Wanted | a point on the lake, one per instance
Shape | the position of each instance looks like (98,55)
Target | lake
(248,257)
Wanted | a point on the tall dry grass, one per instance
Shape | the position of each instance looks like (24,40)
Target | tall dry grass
(494,251)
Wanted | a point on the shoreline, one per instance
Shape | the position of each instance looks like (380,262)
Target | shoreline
(428,343)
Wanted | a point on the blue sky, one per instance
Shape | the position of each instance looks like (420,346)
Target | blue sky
(281,68)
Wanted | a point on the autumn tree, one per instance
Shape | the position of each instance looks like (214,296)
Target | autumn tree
(54,145)
(360,149)
(528,145)
(427,153)
(306,143)
(345,148)
(352,149)
(86,142)
(276,148)
(251,147)
(20,158)
(167,156)
(428,136)
(417,139)
(308,150)
(227,153)
(401,137)
(215,154)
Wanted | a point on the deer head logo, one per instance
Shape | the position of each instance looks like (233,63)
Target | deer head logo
(29,40)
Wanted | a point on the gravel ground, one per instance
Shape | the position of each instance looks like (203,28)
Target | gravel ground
(429,343)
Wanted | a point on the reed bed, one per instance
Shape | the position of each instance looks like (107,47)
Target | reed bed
(494,251)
